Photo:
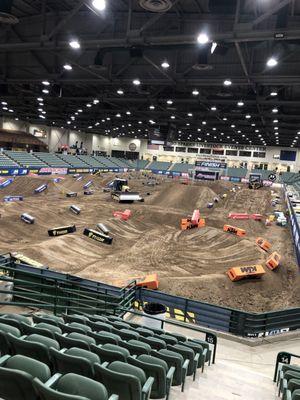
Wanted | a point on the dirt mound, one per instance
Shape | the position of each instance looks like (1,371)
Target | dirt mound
(191,263)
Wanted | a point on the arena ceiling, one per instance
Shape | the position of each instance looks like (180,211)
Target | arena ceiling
(200,64)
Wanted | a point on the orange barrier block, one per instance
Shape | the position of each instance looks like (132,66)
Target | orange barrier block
(234,230)
(263,243)
(238,273)
(238,216)
(201,223)
(125,215)
(185,224)
(273,261)
(148,282)
(195,217)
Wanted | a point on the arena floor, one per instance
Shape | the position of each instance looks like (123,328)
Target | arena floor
(189,263)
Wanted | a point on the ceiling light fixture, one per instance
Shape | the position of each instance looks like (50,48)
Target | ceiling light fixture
(195,92)
(170,102)
(240,103)
(99,4)
(120,92)
(136,82)
(165,64)
(68,67)
(272,62)
(275,110)
(46,83)
(74,44)
(202,38)
(46,91)
(227,82)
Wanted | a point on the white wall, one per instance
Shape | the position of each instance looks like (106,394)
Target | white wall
(93,142)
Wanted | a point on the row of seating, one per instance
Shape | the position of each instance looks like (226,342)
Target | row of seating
(76,344)
(288,381)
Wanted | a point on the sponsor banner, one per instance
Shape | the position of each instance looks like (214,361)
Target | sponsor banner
(33,171)
(13,171)
(225,178)
(53,171)
(79,170)
(267,183)
(235,179)
(206,175)
(244,180)
(211,164)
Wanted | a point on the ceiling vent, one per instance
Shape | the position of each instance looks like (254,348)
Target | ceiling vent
(156,5)
(202,67)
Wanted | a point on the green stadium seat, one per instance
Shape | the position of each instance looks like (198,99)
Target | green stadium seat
(50,327)
(294,384)
(47,318)
(81,319)
(16,377)
(74,360)
(167,338)
(110,352)
(206,346)
(68,342)
(144,332)
(188,354)
(158,369)
(72,387)
(176,360)
(127,381)
(66,328)
(103,337)
(100,326)
(289,374)
(198,349)
(155,343)
(83,327)
(178,336)
(127,334)
(79,336)
(38,330)
(136,347)
(120,325)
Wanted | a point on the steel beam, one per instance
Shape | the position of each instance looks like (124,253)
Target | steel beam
(273,10)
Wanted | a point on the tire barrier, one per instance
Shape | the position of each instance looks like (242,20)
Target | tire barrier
(273,261)
(216,199)
(9,199)
(238,273)
(62,230)
(255,217)
(148,282)
(125,215)
(87,185)
(57,180)
(210,205)
(88,192)
(263,244)
(6,183)
(27,218)
(41,188)
(234,230)
(71,194)
(98,236)
(103,228)
(76,210)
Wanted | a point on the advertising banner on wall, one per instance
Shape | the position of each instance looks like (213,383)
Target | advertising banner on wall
(211,164)
(13,171)
(53,171)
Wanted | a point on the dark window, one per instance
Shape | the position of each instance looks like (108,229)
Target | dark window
(259,154)
(181,149)
(218,152)
(245,153)
(205,151)
(231,153)
(288,155)
(193,150)
(168,148)
(118,153)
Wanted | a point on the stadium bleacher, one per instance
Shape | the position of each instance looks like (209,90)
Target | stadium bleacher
(159,165)
(237,172)
(107,162)
(290,178)
(52,160)
(6,162)
(181,167)
(91,161)
(92,353)
(264,173)
(74,161)
(25,159)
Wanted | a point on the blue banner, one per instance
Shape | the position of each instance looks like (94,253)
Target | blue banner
(13,171)
(5,183)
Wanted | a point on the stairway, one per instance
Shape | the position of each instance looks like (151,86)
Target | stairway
(227,380)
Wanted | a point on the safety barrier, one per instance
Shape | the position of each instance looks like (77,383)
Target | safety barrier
(295,228)
(283,357)
(58,292)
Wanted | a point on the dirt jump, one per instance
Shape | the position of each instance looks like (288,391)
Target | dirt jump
(190,263)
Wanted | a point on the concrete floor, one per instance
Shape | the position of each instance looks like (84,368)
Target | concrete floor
(240,372)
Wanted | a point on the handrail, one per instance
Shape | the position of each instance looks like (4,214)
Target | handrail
(283,357)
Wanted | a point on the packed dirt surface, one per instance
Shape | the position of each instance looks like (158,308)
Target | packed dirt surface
(189,263)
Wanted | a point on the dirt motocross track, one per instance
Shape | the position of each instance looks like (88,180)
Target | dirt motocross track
(189,263)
